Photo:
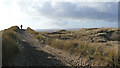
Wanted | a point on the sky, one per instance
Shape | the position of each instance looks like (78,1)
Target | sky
(58,14)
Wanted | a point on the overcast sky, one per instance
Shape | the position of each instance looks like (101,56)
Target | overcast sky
(45,14)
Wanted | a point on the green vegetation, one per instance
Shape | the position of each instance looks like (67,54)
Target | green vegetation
(9,44)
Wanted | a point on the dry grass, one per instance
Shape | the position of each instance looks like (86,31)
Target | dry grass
(96,44)
(9,44)
(31,31)
(84,49)
(36,34)
(14,28)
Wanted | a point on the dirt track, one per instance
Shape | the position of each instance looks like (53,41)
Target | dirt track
(32,53)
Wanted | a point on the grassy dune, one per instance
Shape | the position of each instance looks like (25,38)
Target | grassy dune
(9,44)
(94,44)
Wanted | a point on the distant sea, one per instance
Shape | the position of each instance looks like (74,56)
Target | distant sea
(68,29)
(51,30)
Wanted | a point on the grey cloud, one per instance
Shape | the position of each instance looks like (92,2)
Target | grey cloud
(68,10)
(60,22)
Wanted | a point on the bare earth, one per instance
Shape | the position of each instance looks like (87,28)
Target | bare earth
(32,53)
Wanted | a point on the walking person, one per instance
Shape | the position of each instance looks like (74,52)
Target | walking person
(21,26)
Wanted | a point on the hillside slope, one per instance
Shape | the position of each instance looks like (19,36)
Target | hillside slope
(66,48)
(87,34)
(97,45)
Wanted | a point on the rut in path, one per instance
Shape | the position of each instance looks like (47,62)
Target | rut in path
(30,56)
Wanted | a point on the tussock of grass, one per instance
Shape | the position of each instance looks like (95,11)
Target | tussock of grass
(39,37)
(14,28)
(9,44)
(36,34)
(72,46)
(32,31)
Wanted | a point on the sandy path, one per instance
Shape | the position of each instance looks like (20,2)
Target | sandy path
(30,56)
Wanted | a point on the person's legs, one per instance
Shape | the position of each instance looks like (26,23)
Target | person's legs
(21,26)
